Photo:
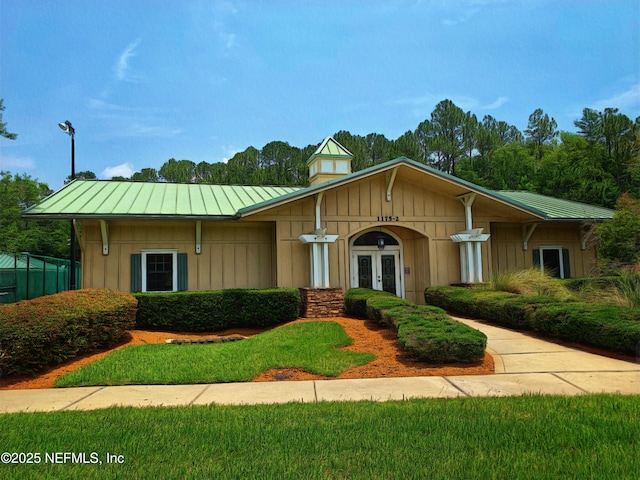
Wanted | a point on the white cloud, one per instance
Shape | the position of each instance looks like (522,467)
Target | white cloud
(15,163)
(103,106)
(122,65)
(229,153)
(430,100)
(229,39)
(625,100)
(497,104)
(122,170)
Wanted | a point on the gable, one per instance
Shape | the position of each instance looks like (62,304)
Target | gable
(395,188)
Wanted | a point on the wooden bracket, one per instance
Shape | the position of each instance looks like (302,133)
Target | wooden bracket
(104,232)
(390,181)
(527,231)
(198,237)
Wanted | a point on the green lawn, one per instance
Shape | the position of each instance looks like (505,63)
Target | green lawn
(309,345)
(529,437)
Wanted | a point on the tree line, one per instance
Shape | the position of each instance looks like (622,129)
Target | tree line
(596,165)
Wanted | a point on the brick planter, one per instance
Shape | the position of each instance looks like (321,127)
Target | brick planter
(321,302)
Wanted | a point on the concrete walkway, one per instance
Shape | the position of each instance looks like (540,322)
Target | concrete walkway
(523,364)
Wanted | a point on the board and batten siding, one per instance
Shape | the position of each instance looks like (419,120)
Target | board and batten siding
(423,220)
(233,254)
(263,250)
(508,253)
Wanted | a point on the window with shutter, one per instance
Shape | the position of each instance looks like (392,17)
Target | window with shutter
(136,272)
(159,270)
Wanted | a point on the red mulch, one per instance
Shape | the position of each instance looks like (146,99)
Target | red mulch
(368,336)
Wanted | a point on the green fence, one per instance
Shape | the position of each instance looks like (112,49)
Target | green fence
(26,276)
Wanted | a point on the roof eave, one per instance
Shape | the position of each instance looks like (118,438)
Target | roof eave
(574,220)
(67,216)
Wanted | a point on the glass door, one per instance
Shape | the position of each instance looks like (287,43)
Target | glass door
(379,271)
(365,271)
(375,262)
(388,273)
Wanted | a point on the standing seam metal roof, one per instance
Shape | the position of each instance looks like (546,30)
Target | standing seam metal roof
(109,199)
(104,199)
(559,209)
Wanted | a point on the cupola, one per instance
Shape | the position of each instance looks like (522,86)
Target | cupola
(331,160)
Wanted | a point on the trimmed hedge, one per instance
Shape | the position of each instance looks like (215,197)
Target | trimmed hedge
(52,329)
(424,331)
(509,309)
(355,300)
(378,305)
(435,337)
(610,327)
(209,311)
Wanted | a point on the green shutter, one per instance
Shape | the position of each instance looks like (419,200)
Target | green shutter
(136,272)
(182,272)
(536,258)
(565,263)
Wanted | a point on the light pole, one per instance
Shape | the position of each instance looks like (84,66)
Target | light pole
(69,130)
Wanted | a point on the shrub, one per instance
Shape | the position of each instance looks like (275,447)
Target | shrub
(424,331)
(51,329)
(532,281)
(377,305)
(355,300)
(611,327)
(438,338)
(621,289)
(629,288)
(209,311)
(620,236)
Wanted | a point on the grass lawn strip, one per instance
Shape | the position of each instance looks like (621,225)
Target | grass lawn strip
(537,437)
(311,346)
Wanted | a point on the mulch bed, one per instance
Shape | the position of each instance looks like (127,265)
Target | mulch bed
(368,336)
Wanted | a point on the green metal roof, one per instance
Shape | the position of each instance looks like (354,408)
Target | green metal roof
(109,199)
(558,209)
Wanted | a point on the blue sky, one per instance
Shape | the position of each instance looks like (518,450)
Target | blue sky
(144,81)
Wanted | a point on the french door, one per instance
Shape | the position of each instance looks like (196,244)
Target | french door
(377,269)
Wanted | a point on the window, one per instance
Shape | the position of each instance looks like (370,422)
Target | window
(159,271)
(326,166)
(553,260)
(342,166)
